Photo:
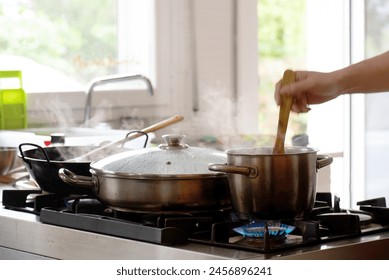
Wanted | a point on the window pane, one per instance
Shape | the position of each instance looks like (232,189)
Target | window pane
(282,45)
(377,124)
(62,45)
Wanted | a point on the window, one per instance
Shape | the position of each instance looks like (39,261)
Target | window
(372,118)
(62,45)
(281,45)
(351,128)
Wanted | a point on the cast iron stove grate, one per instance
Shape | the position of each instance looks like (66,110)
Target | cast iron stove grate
(325,224)
(159,228)
(113,227)
(210,228)
(31,200)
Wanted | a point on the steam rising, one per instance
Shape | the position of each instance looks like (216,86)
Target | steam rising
(55,111)
(61,116)
(217,118)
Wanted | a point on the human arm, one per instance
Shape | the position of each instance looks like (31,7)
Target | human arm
(367,76)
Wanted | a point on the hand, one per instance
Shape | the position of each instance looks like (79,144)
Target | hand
(309,88)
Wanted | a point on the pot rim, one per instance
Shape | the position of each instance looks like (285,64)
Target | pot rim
(58,149)
(147,176)
(268,151)
(172,159)
(36,160)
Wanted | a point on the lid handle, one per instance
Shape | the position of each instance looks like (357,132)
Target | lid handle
(173,141)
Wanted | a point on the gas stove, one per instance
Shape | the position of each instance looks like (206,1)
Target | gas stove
(329,232)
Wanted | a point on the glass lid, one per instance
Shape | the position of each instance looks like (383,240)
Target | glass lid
(171,158)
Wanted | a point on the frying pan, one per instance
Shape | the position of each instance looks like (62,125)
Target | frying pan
(43,164)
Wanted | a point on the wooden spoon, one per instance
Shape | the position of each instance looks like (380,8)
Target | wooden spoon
(152,128)
(283,118)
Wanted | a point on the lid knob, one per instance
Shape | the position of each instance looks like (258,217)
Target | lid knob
(172,141)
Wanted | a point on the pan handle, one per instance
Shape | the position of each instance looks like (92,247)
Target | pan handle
(139,132)
(323,160)
(75,180)
(36,146)
(249,171)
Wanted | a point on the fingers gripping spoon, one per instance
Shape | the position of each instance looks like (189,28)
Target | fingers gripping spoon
(283,118)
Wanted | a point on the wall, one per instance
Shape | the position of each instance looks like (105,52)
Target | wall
(213,65)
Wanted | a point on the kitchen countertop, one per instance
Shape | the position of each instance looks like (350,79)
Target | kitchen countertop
(24,232)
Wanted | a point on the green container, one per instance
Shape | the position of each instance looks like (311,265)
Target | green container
(13,109)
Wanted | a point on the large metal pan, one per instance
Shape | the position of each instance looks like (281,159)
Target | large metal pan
(271,186)
(171,177)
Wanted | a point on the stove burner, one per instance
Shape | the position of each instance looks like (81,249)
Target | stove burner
(217,227)
(258,229)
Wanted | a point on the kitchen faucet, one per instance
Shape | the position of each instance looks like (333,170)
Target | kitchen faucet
(107,80)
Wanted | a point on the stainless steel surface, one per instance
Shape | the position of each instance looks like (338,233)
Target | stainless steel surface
(8,157)
(11,254)
(106,80)
(273,186)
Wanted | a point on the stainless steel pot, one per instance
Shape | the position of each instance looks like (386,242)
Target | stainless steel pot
(170,177)
(268,186)
(8,156)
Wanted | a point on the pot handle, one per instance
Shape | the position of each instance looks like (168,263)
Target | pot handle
(249,171)
(75,180)
(36,146)
(139,132)
(323,160)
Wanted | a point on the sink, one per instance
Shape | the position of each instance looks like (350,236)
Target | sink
(74,136)
(76,131)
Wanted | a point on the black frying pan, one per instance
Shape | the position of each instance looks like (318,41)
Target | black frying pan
(43,164)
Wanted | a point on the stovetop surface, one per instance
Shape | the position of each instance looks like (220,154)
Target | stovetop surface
(181,244)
